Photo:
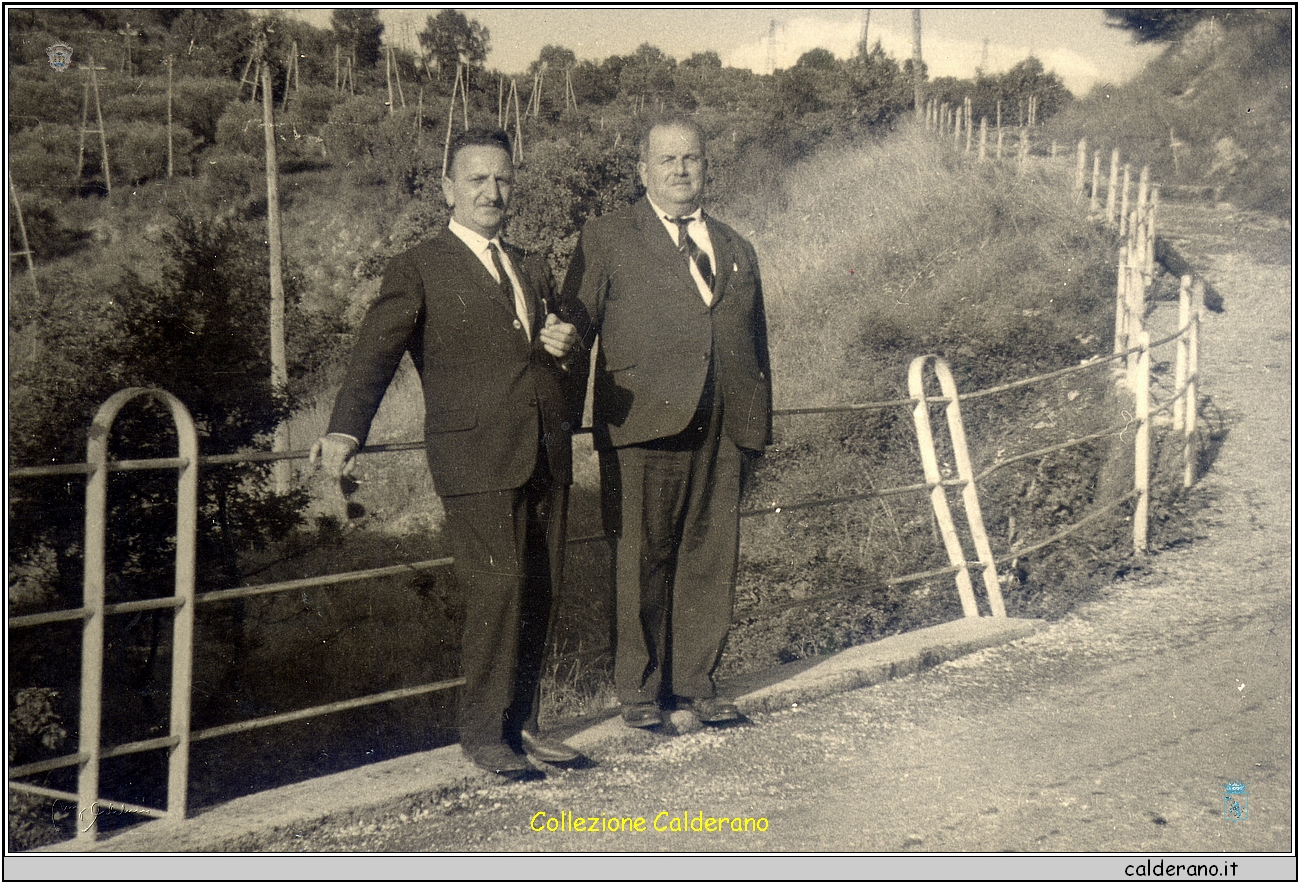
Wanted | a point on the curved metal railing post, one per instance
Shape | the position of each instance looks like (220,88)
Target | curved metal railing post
(965,475)
(92,647)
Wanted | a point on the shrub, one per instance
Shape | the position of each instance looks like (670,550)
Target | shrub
(44,159)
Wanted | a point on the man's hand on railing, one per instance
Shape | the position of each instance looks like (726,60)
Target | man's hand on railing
(336,452)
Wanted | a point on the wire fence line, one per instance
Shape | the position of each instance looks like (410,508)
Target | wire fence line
(1130,359)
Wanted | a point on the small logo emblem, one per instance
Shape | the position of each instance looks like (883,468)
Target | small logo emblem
(60,56)
(1236,802)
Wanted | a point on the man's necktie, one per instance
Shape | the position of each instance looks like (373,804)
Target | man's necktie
(508,290)
(692,250)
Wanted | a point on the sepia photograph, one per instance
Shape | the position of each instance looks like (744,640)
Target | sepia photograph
(746,442)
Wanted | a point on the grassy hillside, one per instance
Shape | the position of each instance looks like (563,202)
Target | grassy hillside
(1213,114)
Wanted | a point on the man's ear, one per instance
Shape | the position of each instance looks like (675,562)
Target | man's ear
(640,171)
(448,192)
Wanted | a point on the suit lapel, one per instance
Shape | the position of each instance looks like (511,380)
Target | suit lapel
(472,268)
(724,255)
(663,250)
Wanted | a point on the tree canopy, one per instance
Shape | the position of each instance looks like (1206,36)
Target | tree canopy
(450,39)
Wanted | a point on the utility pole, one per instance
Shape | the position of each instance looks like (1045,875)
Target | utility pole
(864,46)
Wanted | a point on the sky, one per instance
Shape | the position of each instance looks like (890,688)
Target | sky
(1074,42)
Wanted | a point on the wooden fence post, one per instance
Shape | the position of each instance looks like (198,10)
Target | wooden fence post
(1094,199)
(1180,350)
(1079,167)
(1121,302)
(1193,379)
(1142,445)
(1123,206)
(984,138)
(1110,189)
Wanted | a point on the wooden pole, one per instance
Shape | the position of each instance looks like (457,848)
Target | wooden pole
(419,120)
(1123,205)
(970,129)
(1079,168)
(1094,199)
(1193,380)
(1121,302)
(464,92)
(22,235)
(916,59)
(103,139)
(170,156)
(984,138)
(279,366)
(451,118)
(1142,445)
(397,75)
(501,89)
(388,76)
(1180,350)
(519,127)
(1110,189)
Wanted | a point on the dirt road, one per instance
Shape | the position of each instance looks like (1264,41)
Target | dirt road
(1114,729)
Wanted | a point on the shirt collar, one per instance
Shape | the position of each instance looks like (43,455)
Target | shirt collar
(697,215)
(476,241)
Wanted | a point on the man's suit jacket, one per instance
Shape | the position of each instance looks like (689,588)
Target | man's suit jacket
(489,393)
(657,335)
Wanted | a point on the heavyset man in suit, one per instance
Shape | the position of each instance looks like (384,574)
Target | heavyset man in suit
(682,402)
(500,404)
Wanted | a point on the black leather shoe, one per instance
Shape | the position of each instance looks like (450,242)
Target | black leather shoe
(549,751)
(642,715)
(714,710)
(505,763)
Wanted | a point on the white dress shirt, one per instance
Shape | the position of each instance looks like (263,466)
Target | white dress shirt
(478,244)
(699,231)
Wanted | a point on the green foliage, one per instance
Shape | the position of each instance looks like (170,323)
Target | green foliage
(1157,25)
(359,31)
(1213,112)
(44,159)
(48,232)
(139,152)
(450,38)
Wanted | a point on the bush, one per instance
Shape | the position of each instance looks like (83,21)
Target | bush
(198,105)
(138,152)
(44,159)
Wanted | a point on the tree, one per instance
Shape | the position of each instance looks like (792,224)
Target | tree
(1158,25)
(360,31)
(702,61)
(553,58)
(451,39)
(817,59)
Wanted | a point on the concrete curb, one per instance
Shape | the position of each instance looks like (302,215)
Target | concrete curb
(275,816)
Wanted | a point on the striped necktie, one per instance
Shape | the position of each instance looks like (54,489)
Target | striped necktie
(691,249)
(508,290)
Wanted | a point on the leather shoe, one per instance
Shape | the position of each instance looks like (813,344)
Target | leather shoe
(713,710)
(642,715)
(549,751)
(506,763)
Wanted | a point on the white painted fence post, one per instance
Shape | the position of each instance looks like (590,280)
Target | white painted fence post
(1142,447)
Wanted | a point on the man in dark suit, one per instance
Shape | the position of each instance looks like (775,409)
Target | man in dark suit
(683,401)
(500,405)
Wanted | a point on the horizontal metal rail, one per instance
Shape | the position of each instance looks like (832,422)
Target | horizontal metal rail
(325,709)
(241,592)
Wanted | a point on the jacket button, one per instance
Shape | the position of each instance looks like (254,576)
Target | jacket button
(518,324)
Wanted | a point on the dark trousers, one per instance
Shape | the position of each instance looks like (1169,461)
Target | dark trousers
(509,550)
(673,508)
